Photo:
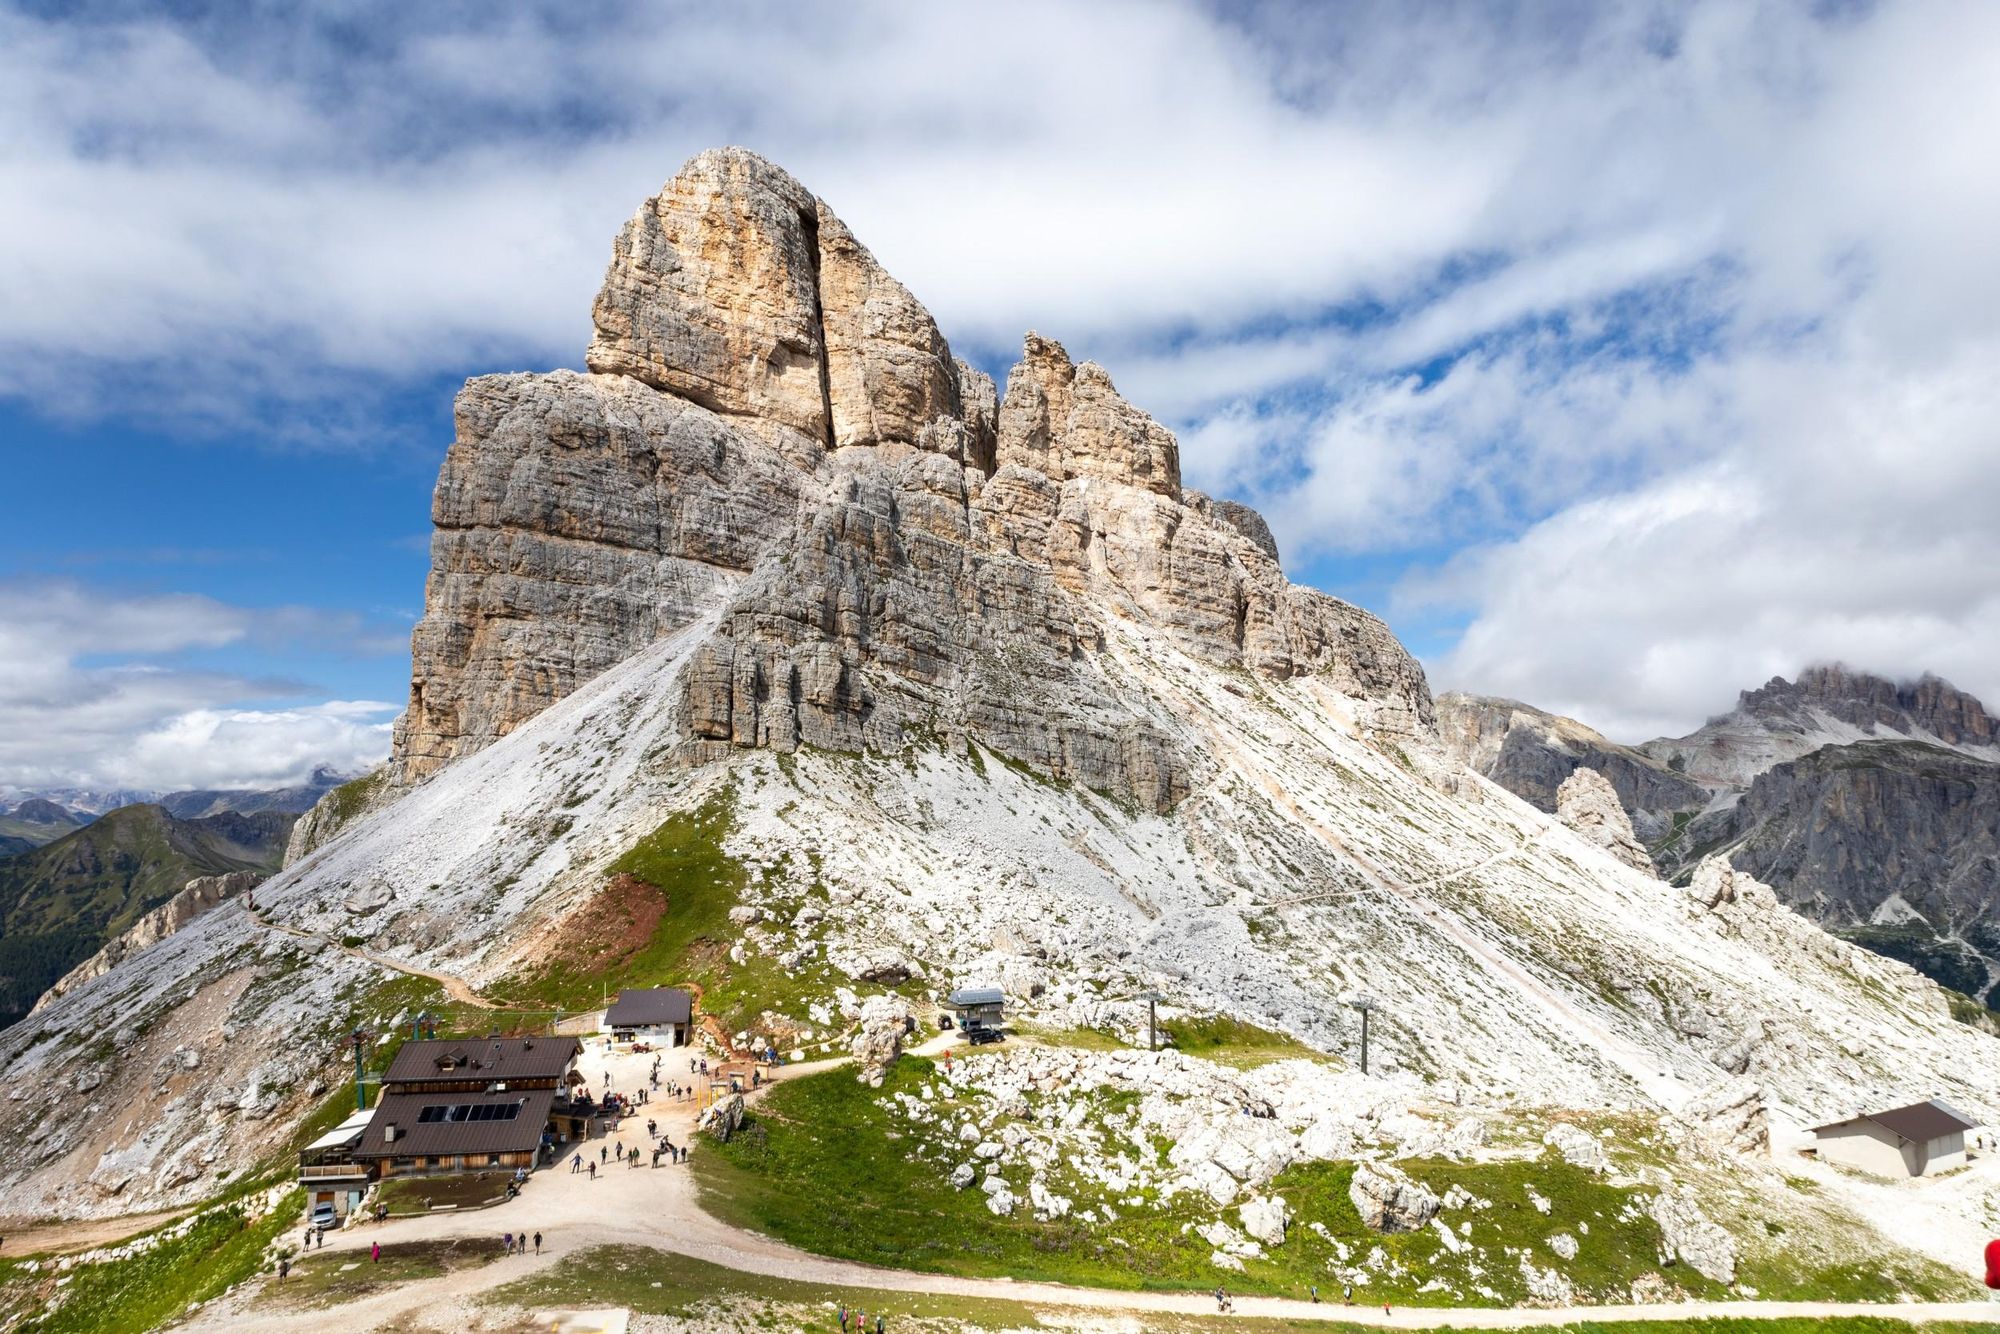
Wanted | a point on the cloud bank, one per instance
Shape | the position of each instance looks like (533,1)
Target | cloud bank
(1657,341)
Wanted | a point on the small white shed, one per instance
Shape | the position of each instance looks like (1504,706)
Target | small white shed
(1922,1139)
(651,1014)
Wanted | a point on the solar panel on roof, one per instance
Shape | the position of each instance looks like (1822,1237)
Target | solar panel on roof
(469,1111)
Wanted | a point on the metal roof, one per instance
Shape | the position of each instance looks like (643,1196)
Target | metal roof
(346,1132)
(650,1005)
(1919,1123)
(451,1130)
(490,1059)
(965,996)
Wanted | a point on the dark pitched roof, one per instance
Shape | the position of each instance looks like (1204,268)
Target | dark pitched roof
(430,1124)
(1919,1123)
(491,1059)
(650,1005)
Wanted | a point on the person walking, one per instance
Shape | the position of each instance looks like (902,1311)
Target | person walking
(1315,1294)
(507,1243)
(284,1269)
(593,1171)
(603,1154)
(538,1243)
(576,1164)
(375,1253)
(878,1322)
(320,1240)
(1347,1294)
(308,1239)
(843,1320)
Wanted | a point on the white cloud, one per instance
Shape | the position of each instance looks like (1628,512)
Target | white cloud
(94,694)
(1531,283)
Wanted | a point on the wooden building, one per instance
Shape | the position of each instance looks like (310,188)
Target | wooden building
(472,1105)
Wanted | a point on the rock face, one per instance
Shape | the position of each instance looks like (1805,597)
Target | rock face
(1896,844)
(775,433)
(1531,753)
(1587,804)
(200,894)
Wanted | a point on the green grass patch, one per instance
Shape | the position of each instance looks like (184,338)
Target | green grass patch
(1233,1042)
(145,1290)
(321,1278)
(685,862)
(457,1190)
(826,1166)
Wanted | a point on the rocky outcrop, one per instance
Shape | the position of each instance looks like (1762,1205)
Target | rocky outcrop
(1531,753)
(878,1037)
(776,436)
(1588,805)
(1688,1237)
(1734,1118)
(1389,1201)
(200,895)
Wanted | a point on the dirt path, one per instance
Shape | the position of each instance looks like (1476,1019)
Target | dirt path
(456,987)
(24,1237)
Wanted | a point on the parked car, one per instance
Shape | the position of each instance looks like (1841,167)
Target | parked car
(323,1215)
(980,1034)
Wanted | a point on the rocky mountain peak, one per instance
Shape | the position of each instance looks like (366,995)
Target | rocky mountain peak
(776,441)
(1871,703)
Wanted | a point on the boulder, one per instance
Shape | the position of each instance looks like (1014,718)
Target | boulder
(1265,1217)
(1687,1237)
(1389,1201)
(1577,1146)
(878,1039)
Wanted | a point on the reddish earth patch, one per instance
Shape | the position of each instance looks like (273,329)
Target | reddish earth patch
(610,928)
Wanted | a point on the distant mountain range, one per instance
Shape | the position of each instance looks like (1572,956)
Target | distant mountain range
(62,900)
(1871,806)
(38,817)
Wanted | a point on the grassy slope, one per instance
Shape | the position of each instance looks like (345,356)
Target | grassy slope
(825,1166)
(144,1291)
(697,882)
(60,902)
(714,1299)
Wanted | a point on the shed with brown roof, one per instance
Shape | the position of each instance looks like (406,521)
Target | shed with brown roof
(1922,1139)
(660,1014)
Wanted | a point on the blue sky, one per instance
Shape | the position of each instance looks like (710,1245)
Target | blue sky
(1622,356)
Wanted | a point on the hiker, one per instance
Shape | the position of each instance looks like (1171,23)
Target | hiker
(308,1239)
(507,1243)
(878,1322)
(538,1243)
(652,1128)
(576,1164)
(593,1171)
(1347,1294)
(603,1154)
(1315,1294)
(375,1253)
(319,1240)
(843,1320)
(1385,1308)
(284,1268)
